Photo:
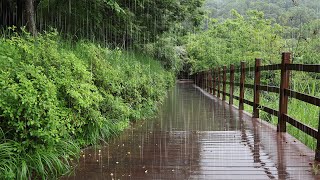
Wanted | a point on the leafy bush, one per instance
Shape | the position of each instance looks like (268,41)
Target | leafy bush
(166,50)
(56,97)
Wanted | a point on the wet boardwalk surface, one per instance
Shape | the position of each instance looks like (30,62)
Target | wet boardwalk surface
(198,137)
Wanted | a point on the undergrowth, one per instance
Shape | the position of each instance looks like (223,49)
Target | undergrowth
(57,96)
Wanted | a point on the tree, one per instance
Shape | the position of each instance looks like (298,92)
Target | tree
(30,14)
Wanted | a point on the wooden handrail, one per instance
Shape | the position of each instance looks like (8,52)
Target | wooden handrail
(271,67)
(304,67)
(303,97)
(220,78)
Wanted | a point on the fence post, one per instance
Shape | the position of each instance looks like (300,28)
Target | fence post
(214,82)
(196,78)
(205,78)
(218,82)
(210,81)
(283,101)
(242,81)
(317,156)
(224,82)
(256,95)
(205,81)
(201,80)
(208,74)
(231,84)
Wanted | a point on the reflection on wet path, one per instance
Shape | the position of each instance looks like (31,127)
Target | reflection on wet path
(197,137)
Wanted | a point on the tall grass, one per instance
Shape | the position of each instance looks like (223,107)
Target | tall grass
(8,163)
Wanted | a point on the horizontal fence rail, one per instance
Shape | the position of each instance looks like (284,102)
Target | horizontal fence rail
(215,81)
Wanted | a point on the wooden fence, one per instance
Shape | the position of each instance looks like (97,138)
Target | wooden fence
(212,80)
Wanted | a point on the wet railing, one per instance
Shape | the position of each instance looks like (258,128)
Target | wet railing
(212,80)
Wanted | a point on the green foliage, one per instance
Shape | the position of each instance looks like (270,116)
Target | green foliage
(56,97)
(119,22)
(166,50)
(306,46)
(234,40)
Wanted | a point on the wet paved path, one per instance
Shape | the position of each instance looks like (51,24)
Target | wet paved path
(198,137)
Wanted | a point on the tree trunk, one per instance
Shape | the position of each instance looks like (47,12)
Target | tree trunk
(20,8)
(29,11)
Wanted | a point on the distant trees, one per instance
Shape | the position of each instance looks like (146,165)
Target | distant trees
(234,40)
(285,12)
(297,22)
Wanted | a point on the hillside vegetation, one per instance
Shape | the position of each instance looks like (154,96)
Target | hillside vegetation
(56,97)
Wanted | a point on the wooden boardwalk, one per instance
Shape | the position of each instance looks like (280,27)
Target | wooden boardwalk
(197,136)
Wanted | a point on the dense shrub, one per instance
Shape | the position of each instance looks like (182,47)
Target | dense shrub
(56,97)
